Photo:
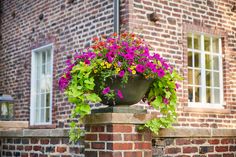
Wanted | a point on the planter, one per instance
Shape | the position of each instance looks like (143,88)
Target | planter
(135,89)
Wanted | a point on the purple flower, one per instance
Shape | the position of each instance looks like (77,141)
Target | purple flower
(119,94)
(129,56)
(140,68)
(165,101)
(106,90)
(119,64)
(63,83)
(68,62)
(121,73)
(87,62)
(177,86)
(160,72)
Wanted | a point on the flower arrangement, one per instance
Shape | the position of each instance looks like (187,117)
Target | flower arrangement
(122,56)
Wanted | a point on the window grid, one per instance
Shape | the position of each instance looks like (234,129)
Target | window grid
(41,86)
(199,91)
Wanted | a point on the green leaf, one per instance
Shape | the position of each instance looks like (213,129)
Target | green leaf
(157,102)
(93,97)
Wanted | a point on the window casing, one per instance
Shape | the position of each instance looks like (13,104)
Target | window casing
(41,86)
(205,77)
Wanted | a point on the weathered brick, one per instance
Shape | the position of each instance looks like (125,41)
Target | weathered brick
(221,148)
(119,146)
(190,150)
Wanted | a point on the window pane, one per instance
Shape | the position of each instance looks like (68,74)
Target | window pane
(42,100)
(190,94)
(197,42)
(197,77)
(37,113)
(38,105)
(43,57)
(48,68)
(197,94)
(49,57)
(216,62)
(47,114)
(197,60)
(206,43)
(208,78)
(190,76)
(217,96)
(215,45)
(190,60)
(216,79)
(47,99)
(207,61)
(42,115)
(190,41)
(208,95)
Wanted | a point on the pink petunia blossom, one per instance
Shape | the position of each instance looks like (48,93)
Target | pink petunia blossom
(165,100)
(140,68)
(121,73)
(160,72)
(106,90)
(119,94)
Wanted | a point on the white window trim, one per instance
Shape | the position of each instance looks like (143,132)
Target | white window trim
(33,86)
(203,104)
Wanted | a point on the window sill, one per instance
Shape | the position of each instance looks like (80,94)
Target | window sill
(206,110)
(49,126)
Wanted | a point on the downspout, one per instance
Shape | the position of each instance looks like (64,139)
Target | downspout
(117,16)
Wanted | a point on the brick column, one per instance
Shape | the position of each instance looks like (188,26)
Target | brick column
(116,135)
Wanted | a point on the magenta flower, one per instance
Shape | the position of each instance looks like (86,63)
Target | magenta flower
(140,68)
(106,90)
(121,73)
(87,62)
(119,94)
(165,101)
(160,72)
(63,83)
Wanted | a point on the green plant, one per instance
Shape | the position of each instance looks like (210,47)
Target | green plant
(122,56)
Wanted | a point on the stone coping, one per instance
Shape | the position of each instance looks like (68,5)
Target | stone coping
(164,133)
(118,118)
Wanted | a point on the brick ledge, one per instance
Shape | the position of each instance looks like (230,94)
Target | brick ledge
(164,133)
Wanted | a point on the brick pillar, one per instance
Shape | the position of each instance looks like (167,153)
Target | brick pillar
(116,135)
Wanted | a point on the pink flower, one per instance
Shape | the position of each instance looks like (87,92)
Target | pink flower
(106,90)
(119,94)
(121,73)
(140,68)
(160,72)
(63,83)
(165,101)
(87,62)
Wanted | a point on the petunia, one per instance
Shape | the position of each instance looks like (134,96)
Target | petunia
(119,94)
(165,100)
(87,62)
(106,90)
(160,72)
(63,83)
(140,68)
(121,73)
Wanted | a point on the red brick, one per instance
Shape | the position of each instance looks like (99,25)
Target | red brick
(12,147)
(61,149)
(37,148)
(119,146)
(110,137)
(221,148)
(132,154)
(190,149)
(133,137)
(91,153)
(44,141)
(143,145)
(227,141)
(34,141)
(24,155)
(19,147)
(27,148)
(228,155)
(183,141)
(119,128)
(232,148)
(90,137)
(198,141)
(109,154)
(98,145)
(214,141)
(174,150)
(97,128)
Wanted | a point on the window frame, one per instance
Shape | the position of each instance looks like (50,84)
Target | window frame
(202,52)
(33,84)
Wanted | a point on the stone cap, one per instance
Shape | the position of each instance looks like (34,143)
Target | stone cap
(118,118)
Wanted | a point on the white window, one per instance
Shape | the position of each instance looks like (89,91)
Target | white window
(205,77)
(41,86)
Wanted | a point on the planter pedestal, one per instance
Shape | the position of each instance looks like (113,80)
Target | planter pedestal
(111,134)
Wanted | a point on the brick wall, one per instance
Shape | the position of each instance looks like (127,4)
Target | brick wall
(168,37)
(195,147)
(69,26)
(40,147)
